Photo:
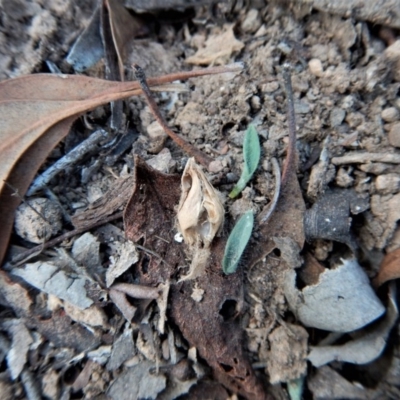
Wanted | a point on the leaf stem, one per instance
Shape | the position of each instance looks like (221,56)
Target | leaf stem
(291,151)
(200,157)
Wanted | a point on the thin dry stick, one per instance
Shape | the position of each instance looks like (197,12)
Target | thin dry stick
(22,198)
(186,146)
(291,150)
(67,235)
(34,251)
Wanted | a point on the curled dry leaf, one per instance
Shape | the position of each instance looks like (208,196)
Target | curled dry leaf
(341,301)
(389,268)
(368,344)
(200,211)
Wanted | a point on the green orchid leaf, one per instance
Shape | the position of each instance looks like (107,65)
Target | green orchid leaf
(251,156)
(237,242)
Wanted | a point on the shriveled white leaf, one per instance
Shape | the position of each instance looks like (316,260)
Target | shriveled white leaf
(86,250)
(341,301)
(200,210)
(367,345)
(21,341)
(124,257)
(48,278)
(137,383)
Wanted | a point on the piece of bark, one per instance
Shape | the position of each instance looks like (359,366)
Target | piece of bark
(113,200)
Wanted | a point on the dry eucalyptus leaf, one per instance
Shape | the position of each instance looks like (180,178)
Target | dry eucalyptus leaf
(48,278)
(218,48)
(367,345)
(200,211)
(341,301)
(49,103)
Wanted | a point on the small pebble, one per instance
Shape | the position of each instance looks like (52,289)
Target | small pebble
(337,117)
(252,21)
(255,103)
(31,226)
(389,183)
(390,114)
(315,66)
(394,135)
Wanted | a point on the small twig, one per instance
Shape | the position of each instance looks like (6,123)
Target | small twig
(61,238)
(291,150)
(186,146)
(363,157)
(16,193)
(67,161)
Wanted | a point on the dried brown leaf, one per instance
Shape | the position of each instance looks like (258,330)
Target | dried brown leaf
(124,27)
(150,217)
(211,325)
(36,113)
(389,268)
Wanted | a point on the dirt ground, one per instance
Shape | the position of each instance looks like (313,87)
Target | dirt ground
(345,67)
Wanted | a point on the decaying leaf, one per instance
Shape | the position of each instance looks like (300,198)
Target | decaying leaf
(124,27)
(211,325)
(237,242)
(367,344)
(200,212)
(149,217)
(125,255)
(218,48)
(329,217)
(389,268)
(341,301)
(251,158)
(48,278)
(49,103)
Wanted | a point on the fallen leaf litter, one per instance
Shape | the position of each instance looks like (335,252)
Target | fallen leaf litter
(352,212)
